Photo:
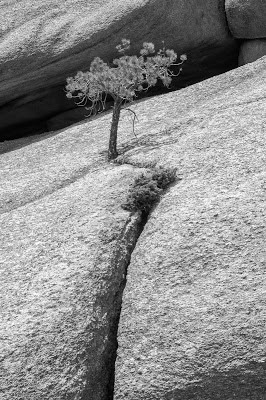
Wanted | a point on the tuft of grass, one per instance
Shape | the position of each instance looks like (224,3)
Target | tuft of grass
(146,189)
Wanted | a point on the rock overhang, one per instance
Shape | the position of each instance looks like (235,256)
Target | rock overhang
(43,46)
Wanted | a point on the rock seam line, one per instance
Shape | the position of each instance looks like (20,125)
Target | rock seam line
(126,243)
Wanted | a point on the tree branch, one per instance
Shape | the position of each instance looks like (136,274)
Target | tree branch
(135,117)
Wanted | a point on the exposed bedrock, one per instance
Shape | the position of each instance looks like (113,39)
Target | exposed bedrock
(193,312)
(44,42)
(65,246)
(193,316)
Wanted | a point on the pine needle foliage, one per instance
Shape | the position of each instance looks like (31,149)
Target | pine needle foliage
(126,77)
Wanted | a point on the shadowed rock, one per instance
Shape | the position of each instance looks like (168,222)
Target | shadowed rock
(246,19)
(251,50)
(45,42)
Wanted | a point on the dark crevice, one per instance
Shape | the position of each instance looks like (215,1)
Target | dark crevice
(101,376)
(126,244)
(111,352)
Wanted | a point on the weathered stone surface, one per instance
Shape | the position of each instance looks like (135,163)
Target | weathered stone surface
(251,50)
(193,321)
(246,18)
(65,243)
(193,312)
(44,42)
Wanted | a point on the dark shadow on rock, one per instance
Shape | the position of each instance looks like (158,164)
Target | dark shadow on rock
(49,109)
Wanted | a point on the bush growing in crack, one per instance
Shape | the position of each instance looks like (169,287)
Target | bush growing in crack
(147,188)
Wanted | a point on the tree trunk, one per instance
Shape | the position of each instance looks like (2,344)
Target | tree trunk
(112,151)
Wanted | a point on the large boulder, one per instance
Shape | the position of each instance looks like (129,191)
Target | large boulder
(246,18)
(45,42)
(193,316)
(193,313)
(251,50)
(65,245)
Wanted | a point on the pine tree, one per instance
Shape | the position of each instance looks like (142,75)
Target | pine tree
(122,80)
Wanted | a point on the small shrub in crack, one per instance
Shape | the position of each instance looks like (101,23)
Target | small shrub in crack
(163,176)
(147,188)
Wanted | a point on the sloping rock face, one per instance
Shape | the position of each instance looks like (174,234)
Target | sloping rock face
(251,50)
(193,314)
(246,18)
(65,243)
(45,42)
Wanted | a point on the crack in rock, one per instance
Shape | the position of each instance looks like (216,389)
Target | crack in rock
(122,256)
